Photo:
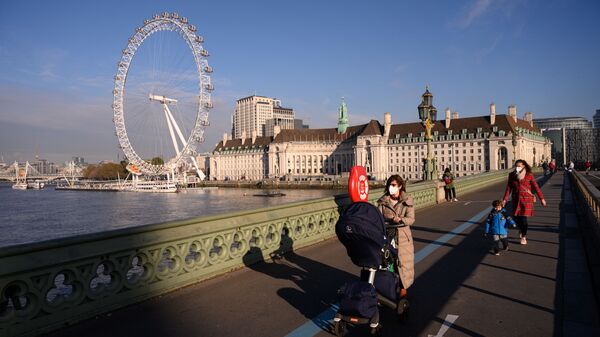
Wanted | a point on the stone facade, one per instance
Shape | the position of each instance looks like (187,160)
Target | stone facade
(467,145)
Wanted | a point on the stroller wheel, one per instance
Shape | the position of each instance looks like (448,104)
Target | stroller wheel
(340,328)
(403,309)
(376,331)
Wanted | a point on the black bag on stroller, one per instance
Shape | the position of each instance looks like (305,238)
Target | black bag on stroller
(362,230)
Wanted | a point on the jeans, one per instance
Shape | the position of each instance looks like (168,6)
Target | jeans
(499,241)
(450,193)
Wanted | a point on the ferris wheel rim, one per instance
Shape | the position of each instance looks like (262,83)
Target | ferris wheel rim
(165,21)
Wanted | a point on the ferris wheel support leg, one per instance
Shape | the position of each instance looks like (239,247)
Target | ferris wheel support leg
(170,115)
(184,142)
(201,174)
(171,129)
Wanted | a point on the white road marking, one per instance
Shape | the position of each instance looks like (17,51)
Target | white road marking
(450,319)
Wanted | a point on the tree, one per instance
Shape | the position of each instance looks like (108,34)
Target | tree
(108,171)
(157,161)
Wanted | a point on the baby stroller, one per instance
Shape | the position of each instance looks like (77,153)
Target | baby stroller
(362,230)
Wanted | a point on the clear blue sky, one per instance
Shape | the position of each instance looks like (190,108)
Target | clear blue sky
(57,60)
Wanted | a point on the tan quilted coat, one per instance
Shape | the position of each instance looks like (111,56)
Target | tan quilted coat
(404,209)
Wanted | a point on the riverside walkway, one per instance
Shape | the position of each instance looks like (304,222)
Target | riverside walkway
(541,289)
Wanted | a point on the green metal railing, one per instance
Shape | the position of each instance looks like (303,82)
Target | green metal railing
(47,285)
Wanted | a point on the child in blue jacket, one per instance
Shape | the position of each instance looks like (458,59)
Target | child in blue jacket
(496,225)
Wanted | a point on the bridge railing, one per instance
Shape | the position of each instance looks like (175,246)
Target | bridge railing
(50,284)
(587,198)
(588,195)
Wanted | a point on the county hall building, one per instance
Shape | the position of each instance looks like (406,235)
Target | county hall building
(468,146)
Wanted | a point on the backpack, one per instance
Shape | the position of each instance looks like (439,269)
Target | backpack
(447,180)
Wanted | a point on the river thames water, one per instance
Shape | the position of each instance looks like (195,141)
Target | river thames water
(38,215)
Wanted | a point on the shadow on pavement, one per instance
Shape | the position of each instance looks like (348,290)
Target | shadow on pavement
(315,284)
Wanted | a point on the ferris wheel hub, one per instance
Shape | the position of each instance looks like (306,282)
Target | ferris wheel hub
(162,99)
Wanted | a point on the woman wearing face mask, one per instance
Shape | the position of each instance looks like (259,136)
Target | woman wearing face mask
(398,210)
(521,184)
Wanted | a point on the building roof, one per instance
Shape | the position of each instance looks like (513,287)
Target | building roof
(374,128)
(503,122)
(243,98)
(282,108)
(330,134)
(244,143)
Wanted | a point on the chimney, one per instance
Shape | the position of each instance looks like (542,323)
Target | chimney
(253,137)
(224,138)
(492,113)
(448,118)
(455,115)
(276,130)
(512,112)
(387,124)
(529,118)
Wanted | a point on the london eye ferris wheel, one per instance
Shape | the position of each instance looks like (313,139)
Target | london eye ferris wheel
(162,99)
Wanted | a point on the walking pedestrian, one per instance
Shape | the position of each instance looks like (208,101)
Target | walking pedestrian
(496,225)
(398,210)
(520,185)
(545,167)
(449,190)
(588,166)
(552,166)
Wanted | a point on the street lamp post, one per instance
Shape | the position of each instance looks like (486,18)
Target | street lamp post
(428,116)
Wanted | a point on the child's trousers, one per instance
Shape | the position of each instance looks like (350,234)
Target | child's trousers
(499,242)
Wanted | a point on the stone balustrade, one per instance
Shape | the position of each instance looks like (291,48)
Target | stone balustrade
(50,284)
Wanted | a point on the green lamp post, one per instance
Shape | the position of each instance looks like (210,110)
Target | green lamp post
(428,116)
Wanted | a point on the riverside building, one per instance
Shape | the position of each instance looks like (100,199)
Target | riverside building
(467,145)
(573,139)
(260,114)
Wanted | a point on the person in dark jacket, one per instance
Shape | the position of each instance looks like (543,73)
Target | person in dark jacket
(448,179)
(521,185)
(496,224)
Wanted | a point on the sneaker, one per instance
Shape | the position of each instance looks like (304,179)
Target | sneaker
(505,249)
(455,200)
(497,254)
(523,241)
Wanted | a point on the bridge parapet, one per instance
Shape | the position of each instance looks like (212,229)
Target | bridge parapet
(587,198)
(46,285)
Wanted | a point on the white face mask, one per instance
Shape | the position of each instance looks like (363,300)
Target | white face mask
(518,169)
(393,190)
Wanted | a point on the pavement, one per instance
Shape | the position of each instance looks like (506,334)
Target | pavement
(460,288)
